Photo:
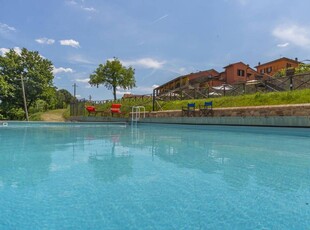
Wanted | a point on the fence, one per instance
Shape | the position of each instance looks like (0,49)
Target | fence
(272,84)
(77,107)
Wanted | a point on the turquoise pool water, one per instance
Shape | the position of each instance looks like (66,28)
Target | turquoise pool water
(153,177)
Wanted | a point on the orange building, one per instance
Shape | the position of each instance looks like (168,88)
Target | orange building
(234,73)
(237,73)
(204,78)
(272,67)
(193,80)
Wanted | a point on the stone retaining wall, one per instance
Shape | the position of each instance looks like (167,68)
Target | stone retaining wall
(250,111)
(279,116)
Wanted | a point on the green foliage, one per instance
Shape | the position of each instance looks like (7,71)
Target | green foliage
(39,106)
(36,72)
(66,114)
(13,113)
(280,73)
(258,99)
(64,98)
(36,116)
(112,75)
(302,68)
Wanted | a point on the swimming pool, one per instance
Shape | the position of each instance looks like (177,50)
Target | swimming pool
(153,177)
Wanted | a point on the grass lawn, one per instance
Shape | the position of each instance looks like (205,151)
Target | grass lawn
(257,99)
(57,115)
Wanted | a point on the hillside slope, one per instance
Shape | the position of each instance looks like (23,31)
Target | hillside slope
(53,115)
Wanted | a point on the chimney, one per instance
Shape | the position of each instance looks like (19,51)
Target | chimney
(259,63)
(296,59)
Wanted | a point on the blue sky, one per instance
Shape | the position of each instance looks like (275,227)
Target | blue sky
(160,39)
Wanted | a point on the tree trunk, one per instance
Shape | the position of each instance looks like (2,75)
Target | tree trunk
(114,92)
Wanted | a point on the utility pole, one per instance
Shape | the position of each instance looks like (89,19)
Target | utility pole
(74,90)
(24,97)
(75,105)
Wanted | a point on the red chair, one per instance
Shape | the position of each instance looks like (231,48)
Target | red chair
(91,109)
(116,108)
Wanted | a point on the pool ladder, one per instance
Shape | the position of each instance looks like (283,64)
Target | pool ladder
(136,113)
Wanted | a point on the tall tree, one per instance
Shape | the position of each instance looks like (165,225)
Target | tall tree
(36,72)
(64,97)
(112,75)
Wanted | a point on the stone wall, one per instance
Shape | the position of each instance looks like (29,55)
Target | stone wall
(250,111)
(277,116)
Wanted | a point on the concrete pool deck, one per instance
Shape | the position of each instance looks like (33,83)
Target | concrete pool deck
(297,115)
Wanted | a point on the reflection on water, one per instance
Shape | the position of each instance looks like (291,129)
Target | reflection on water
(111,165)
(280,161)
(274,158)
(157,177)
(22,160)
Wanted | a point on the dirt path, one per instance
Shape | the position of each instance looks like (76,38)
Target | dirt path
(53,115)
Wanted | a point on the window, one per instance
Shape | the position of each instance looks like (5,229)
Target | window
(240,72)
(288,65)
(269,69)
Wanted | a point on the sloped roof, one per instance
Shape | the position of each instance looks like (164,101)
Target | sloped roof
(240,62)
(187,75)
(276,60)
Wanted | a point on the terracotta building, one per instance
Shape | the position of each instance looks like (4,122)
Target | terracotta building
(272,67)
(202,79)
(237,73)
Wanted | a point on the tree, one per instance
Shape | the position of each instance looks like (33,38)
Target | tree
(36,72)
(302,68)
(64,97)
(112,75)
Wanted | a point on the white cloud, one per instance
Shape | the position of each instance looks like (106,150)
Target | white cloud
(78,5)
(17,50)
(85,80)
(122,93)
(148,63)
(160,18)
(283,45)
(3,51)
(47,41)
(145,90)
(70,42)
(79,59)
(182,70)
(72,2)
(4,28)
(297,35)
(62,70)
(90,9)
